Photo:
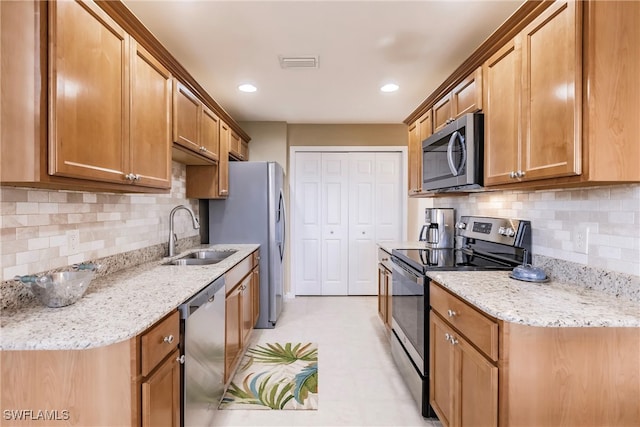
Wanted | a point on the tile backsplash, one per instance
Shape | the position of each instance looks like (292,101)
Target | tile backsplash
(610,214)
(36,224)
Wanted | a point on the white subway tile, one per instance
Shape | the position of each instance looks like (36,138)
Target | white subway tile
(26,208)
(38,196)
(38,243)
(10,272)
(89,198)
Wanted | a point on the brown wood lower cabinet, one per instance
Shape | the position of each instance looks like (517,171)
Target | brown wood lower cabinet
(464,383)
(161,395)
(538,376)
(102,386)
(242,306)
(384,288)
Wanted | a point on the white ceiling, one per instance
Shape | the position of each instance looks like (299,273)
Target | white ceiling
(361,46)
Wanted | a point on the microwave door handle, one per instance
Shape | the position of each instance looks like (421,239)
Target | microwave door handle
(456,171)
(452,167)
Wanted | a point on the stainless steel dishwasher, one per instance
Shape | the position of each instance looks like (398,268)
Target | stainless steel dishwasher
(202,324)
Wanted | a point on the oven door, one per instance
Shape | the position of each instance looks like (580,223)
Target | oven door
(408,311)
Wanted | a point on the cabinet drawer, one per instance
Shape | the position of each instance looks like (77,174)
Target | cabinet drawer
(476,327)
(158,341)
(237,273)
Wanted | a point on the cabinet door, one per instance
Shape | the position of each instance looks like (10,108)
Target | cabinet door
(477,383)
(244,150)
(466,97)
(161,395)
(247,308)
(223,160)
(255,295)
(501,75)
(382,293)
(234,144)
(89,93)
(150,146)
(442,112)
(551,108)
(210,134)
(186,118)
(441,370)
(233,331)
(415,159)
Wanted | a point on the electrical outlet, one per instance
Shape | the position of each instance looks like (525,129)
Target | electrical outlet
(73,241)
(581,240)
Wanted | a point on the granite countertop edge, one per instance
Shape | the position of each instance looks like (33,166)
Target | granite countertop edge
(550,304)
(115,307)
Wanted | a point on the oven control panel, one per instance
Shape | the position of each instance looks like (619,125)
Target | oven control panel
(512,232)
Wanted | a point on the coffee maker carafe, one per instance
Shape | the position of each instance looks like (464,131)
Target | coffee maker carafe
(438,230)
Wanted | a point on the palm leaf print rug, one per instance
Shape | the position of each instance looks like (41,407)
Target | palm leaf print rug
(275,376)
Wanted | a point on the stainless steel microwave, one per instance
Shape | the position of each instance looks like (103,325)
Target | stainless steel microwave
(453,157)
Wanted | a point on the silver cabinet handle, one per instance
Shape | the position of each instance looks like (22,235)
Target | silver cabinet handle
(453,340)
(129,177)
(136,177)
(512,174)
(451,313)
(447,337)
(168,339)
(180,359)
(520,174)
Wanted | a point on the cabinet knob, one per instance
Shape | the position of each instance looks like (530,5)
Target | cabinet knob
(520,174)
(512,174)
(129,177)
(453,340)
(136,177)
(168,339)
(180,359)
(451,313)
(224,191)
(447,337)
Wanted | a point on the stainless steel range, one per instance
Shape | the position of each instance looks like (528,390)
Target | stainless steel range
(484,244)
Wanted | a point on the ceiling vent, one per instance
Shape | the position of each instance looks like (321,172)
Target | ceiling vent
(307,61)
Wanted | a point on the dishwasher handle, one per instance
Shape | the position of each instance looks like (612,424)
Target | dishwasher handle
(206,295)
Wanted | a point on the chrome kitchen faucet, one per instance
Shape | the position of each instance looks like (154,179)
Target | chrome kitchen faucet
(172,236)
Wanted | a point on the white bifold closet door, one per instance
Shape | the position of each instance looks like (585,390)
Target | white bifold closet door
(344,204)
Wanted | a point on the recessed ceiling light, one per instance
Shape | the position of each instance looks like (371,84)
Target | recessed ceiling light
(389,87)
(247,87)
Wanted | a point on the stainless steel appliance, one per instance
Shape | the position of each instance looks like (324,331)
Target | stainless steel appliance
(202,329)
(486,244)
(254,212)
(452,158)
(438,228)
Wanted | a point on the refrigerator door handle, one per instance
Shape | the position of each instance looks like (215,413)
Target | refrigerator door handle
(283,224)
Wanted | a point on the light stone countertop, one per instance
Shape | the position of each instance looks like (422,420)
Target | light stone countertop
(389,246)
(551,304)
(115,307)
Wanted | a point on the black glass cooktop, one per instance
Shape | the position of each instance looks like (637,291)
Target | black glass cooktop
(422,260)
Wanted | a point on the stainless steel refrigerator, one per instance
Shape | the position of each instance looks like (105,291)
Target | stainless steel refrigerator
(254,212)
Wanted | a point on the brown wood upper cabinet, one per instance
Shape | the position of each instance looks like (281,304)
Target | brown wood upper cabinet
(238,147)
(110,112)
(533,102)
(105,124)
(418,132)
(466,97)
(195,128)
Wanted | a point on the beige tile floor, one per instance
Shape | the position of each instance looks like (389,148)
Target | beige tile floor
(358,381)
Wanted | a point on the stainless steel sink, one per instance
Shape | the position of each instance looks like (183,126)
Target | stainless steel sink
(211,255)
(202,258)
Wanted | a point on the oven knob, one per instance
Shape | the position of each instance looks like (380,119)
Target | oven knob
(510,232)
(461,225)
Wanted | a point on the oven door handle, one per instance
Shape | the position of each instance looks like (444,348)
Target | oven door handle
(404,271)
